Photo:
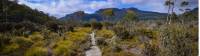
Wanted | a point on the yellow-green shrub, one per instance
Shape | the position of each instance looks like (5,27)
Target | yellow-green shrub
(10,48)
(63,48)
(108,51)
(105,33)
(39,44)
(83,29)
(124,53)
(175,41)
(36,51)
(22,42)
(129,42)
(77,36)
(36,36)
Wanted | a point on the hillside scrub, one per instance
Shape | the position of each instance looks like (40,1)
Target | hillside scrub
(118,32)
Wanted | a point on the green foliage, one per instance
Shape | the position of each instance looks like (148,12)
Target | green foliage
(27,32)
(168,2)
(21,17)
(184,3)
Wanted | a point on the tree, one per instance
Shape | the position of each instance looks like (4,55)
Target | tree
(170,4)
(167,3)
(184,4)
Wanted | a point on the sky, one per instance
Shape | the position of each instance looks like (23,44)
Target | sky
(60,8)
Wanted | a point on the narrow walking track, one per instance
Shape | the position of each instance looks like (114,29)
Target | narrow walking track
(94,49)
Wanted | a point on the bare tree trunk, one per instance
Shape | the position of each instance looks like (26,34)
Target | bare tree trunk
(170,17)
(172,11)
(168,12)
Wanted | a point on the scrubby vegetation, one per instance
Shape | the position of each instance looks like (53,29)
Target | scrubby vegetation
(22,34)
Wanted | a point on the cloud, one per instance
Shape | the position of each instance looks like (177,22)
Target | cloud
(60,8)
(99,5)
(131,1)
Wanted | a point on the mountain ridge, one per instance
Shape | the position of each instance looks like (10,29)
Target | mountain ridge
(118,14)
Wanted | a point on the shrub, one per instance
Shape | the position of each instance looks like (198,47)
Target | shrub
(36,36)
(108,51)
(105,33)
(10,48)
(36,51)
(83,29)
(150,50)
(175,42)
(76,36)
(63,48)
(22,42)
(39,44)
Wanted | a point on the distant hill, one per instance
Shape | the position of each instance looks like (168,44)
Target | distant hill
(21,17)
(192,14)
(118,14)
